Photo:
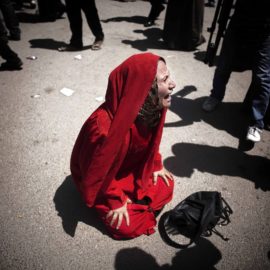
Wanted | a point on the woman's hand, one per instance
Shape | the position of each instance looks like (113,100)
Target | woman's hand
(164,174)
(118,214)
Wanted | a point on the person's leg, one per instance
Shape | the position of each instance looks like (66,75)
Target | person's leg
(141,213)
(247,103)
(156,8)
(267,118)
(3,29)
(13,62)
(75,22)
(261,81)
(60,8)
(10,19)
(91,14)
(223,71)
(224,67)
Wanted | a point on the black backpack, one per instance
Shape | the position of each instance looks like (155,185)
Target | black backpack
(195,216)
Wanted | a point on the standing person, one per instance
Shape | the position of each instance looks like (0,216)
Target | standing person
(183,24)
(259,91)
(10,19)
(249,26)
(73,9)
(115,162)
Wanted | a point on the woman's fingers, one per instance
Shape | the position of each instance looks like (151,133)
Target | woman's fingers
(109,214)
(126,215)
(117,215)
(164,174)
(120,218)
(155,176)
(114,217)
(166,180)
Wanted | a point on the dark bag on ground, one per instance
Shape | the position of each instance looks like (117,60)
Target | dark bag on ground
(195,216)
(183,24)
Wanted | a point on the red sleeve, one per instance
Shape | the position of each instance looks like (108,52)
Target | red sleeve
(158,162)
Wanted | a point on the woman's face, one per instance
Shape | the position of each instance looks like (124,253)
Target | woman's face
(165,85)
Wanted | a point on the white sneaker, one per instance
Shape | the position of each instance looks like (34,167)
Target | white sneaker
(210,104)
(253,134)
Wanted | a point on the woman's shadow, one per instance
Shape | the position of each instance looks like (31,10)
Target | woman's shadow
(204,255)
(72,209)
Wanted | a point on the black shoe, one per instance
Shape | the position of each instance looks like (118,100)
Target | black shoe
(12,65)
(70,48)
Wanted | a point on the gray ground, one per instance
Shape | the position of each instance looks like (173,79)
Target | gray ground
(44,224)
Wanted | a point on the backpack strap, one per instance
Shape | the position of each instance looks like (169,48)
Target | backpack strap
(225,214)
(163,223)
(214,230)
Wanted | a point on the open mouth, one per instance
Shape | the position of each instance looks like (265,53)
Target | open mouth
(167,96)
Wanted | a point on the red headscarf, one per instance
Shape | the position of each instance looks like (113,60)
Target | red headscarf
(128,87)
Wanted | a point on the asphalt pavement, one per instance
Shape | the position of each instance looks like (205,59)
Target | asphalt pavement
(44,223)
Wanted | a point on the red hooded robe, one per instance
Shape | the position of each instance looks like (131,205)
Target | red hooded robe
(114,157)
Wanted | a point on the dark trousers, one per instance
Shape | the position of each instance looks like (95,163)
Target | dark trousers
(6,53)
(258,95)
(259,91)
(75,20)
(10,18)
(156,8)
(225,64)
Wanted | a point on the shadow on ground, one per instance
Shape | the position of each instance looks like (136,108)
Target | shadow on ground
(204,255)
(131,19)
(72,209)
(50,44)
(153,40)
(230,116)
(221,160)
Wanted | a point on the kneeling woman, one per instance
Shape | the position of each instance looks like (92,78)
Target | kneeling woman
(115,162)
